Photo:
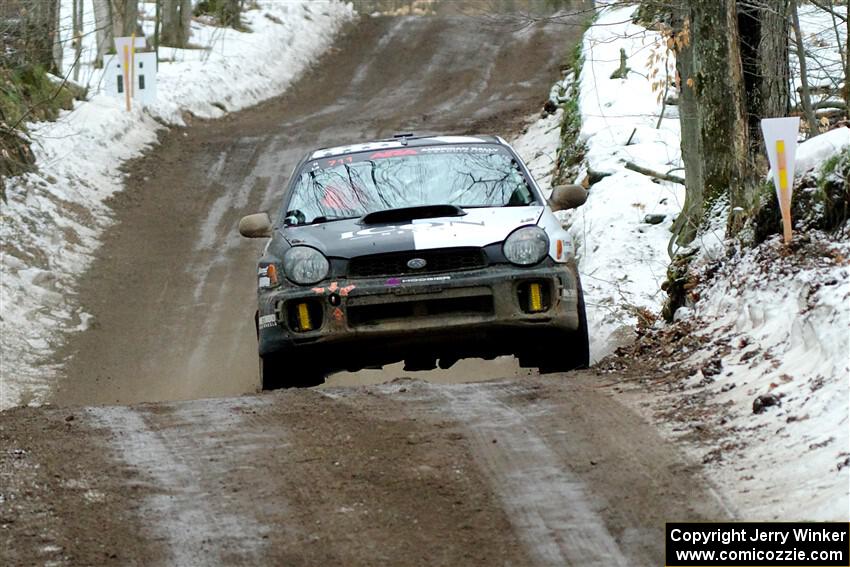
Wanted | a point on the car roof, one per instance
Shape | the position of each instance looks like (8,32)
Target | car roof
(402,141)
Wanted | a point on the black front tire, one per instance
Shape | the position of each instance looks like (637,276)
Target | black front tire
(278,371)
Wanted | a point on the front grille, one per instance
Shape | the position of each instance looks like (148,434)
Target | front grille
(420,308)
(395,263)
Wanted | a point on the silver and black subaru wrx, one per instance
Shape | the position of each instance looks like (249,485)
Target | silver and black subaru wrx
(422,249)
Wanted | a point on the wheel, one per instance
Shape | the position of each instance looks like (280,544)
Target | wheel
(279,371)
(552,357)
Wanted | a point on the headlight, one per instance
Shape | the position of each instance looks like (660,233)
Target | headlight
(304,265)
(526,246)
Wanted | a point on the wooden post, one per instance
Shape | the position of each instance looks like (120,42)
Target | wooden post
(127,76)
(132,64)
(784,194)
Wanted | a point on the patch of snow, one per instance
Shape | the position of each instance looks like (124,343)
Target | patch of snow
(815,151)
(538,146)
(623,259)
(51,223)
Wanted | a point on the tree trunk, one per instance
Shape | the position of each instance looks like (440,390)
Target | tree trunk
(176,20)
(805,94)
(186,20)
(157,23)
(720,140)
(125,18)
(169,27)
(78,36)
(58,51)
(763,28)
(847,62)
(103,29)
(230,15)
(687,223)
(41,34)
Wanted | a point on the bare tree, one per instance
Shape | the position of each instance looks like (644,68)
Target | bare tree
(77,31)
(805,91)
(176,20)
(229,13)
(103,29)
(763,29)
(56,38)
(688,222)
(715,146)
(40,33)
(125,17)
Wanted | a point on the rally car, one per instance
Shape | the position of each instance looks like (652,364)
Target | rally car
(426,249)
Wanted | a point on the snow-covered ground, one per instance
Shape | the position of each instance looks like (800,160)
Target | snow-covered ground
(780,328)
(622,258)
(769,323)
(537,146)
(53,218)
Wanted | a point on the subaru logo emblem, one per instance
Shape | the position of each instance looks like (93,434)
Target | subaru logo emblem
(416,263)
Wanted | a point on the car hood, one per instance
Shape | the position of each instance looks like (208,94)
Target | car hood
(478,228)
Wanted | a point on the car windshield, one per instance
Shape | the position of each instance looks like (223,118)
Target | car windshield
(348,186)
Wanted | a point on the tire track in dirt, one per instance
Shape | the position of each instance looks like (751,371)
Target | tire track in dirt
(583,479)
(298,478)
(548,505)
(192,506)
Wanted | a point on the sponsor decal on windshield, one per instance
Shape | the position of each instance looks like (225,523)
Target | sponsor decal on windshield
(488,149)
(393,153)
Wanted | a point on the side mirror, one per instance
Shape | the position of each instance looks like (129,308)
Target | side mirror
(258,225)
(566,197)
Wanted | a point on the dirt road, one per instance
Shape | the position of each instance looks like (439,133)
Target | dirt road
(530,472)
(515,471)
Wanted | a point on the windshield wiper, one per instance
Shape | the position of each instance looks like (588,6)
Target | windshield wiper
(330,218)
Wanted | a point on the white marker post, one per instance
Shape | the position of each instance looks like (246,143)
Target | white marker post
(126,47)
(780,137)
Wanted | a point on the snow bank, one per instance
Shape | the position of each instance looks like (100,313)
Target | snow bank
(779,324)
(788,326)
(622,258)
(53,218)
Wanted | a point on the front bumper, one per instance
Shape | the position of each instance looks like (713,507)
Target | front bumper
(372,321)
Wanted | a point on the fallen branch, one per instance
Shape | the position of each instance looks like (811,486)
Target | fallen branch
(836,104)
(656,174)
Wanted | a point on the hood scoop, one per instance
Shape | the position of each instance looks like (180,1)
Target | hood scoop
(395,216)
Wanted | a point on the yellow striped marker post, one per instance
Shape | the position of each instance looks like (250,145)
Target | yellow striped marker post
(780,138)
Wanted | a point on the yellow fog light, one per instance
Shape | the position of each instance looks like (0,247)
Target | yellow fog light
(535,298)
(304,317)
